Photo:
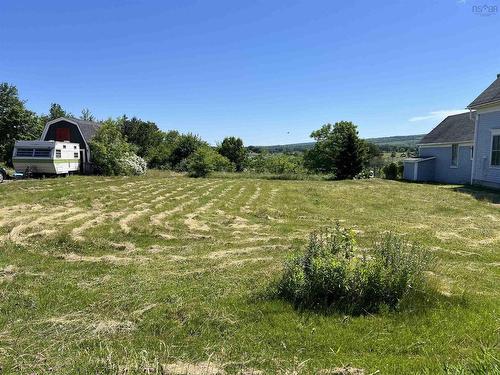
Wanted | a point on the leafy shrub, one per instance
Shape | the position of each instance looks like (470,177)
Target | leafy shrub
(232,148)
(132,164)
(109,148)
(205,160)
(279,164)
(184,146)
(390,171)
(333,274)
(364,174)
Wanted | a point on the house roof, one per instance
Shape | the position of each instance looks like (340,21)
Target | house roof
(456,128)
(490,95)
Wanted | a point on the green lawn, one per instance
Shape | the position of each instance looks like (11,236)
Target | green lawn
(161,272)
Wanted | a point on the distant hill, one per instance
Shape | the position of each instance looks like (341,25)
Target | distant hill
(400,141)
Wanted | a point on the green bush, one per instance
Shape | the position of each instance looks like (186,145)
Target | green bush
(112,155)
(390,171)
(206,160)
(278,164)
(333,274)
(183,147)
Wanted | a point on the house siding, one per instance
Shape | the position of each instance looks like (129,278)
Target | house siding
(443,172)
(484,173)
(426,170)
(409,170)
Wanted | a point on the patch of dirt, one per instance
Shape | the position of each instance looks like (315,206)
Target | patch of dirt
(201,368)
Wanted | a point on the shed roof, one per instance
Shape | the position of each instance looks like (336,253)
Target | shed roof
(490,95)
(456,128)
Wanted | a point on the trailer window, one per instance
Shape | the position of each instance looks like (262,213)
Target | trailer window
(75,155)
(58,154)
(41,153)
(24,152)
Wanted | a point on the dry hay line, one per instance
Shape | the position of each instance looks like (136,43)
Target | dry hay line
(242,251)
(247,207)
(80,322)
(204,368)
(8,273)
(113,259)
(77,234)
(201,368)
(159,219)
(272,196)
(241,262)
(18,233)
(195,224)
(13,214)
(125,222)
(110,327)
(231,201)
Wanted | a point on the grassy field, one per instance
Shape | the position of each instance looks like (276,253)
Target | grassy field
(166,273)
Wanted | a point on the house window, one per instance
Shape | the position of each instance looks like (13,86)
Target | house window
(58,154)
(75,155)
(495,151)
(454,155)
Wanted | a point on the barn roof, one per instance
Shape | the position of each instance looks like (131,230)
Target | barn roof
(456,128)
(490,95)
(88,128)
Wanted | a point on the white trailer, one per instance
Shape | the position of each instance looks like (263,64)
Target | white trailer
(46,157)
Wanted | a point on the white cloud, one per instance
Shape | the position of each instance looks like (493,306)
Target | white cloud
(438,115)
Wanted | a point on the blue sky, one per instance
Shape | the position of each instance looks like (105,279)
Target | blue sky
(267,71)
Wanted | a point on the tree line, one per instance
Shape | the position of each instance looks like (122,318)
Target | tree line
(127,145)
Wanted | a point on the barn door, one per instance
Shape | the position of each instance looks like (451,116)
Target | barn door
(82,161)
(62,134)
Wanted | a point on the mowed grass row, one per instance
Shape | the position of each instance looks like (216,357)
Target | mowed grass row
(101,274)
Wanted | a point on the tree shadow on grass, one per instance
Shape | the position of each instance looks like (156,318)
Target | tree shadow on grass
(415,302)
(480,193)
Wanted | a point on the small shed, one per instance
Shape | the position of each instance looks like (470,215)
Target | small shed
(68,129)
(419,169)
